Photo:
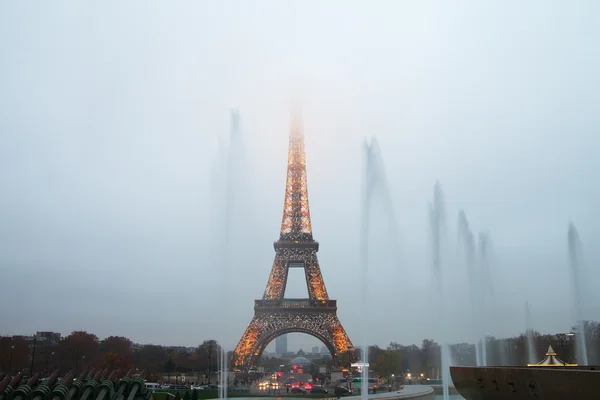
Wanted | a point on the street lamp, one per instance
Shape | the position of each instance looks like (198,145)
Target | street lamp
(348,349)
(77,362)
(169,368)
(10,359)
(209,360)
(32,356)
(48,361)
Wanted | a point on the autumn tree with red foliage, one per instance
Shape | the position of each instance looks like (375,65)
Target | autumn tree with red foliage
(16,357)
(117,344)
(114,361)
(151,358)
(78,349)
(117,353)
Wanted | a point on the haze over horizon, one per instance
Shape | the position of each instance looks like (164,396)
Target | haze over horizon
(115,133)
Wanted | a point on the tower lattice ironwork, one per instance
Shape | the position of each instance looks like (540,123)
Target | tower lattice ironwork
(275,315)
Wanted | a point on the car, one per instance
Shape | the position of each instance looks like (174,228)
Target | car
(342,390)
(318,389)
(152,386)
(298,390)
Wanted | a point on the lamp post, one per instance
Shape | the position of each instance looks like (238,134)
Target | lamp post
(32,356)
(48,361)
(77,362)
(169,368)
(348,348)
(12,347)
(209,360)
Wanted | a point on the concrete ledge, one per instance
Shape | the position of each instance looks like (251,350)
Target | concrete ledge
(409,392)
(412,392)
(420,392)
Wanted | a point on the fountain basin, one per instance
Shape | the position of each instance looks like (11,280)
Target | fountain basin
(548,383)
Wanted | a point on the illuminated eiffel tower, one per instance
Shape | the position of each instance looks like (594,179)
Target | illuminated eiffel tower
(275,315)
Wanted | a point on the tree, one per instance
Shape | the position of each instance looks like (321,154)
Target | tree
(152,358)
(374,353)
(395,347)
(412,359)
(14,352)
(388,362)
(207,356)
(46,360)
(184,361)
(117,344)
(114,361)
(346,358)
(78,349)
(430,355)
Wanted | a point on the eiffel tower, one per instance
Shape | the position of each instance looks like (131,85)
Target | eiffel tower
(275,315)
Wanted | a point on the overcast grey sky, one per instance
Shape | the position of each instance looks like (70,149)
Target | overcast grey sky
(110,119)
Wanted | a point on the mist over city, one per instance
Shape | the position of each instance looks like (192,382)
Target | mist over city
(144,147)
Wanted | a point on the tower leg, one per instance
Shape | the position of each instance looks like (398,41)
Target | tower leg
(267,325)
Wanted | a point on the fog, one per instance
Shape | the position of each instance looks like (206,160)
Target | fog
(115,135)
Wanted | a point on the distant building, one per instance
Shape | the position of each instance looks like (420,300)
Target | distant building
(315,350)
(324,350)
(300,361)
(49,337)
(281,344)
(183,349)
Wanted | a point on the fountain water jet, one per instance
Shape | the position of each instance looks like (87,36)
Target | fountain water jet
(531,356)
(436,216)
(575,264)
(487,291)
(364,261)
(223,382)
(465,237)
(489,298)
(226,186)
(481,288)
(373,181)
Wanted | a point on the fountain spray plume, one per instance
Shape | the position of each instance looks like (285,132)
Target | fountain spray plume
(575,263)
(531,356)
(227,178)
(373,181)
(368,185)
(466,239)
(487,291)
(223,381)
(235,156)
(437,221)
(376,181)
